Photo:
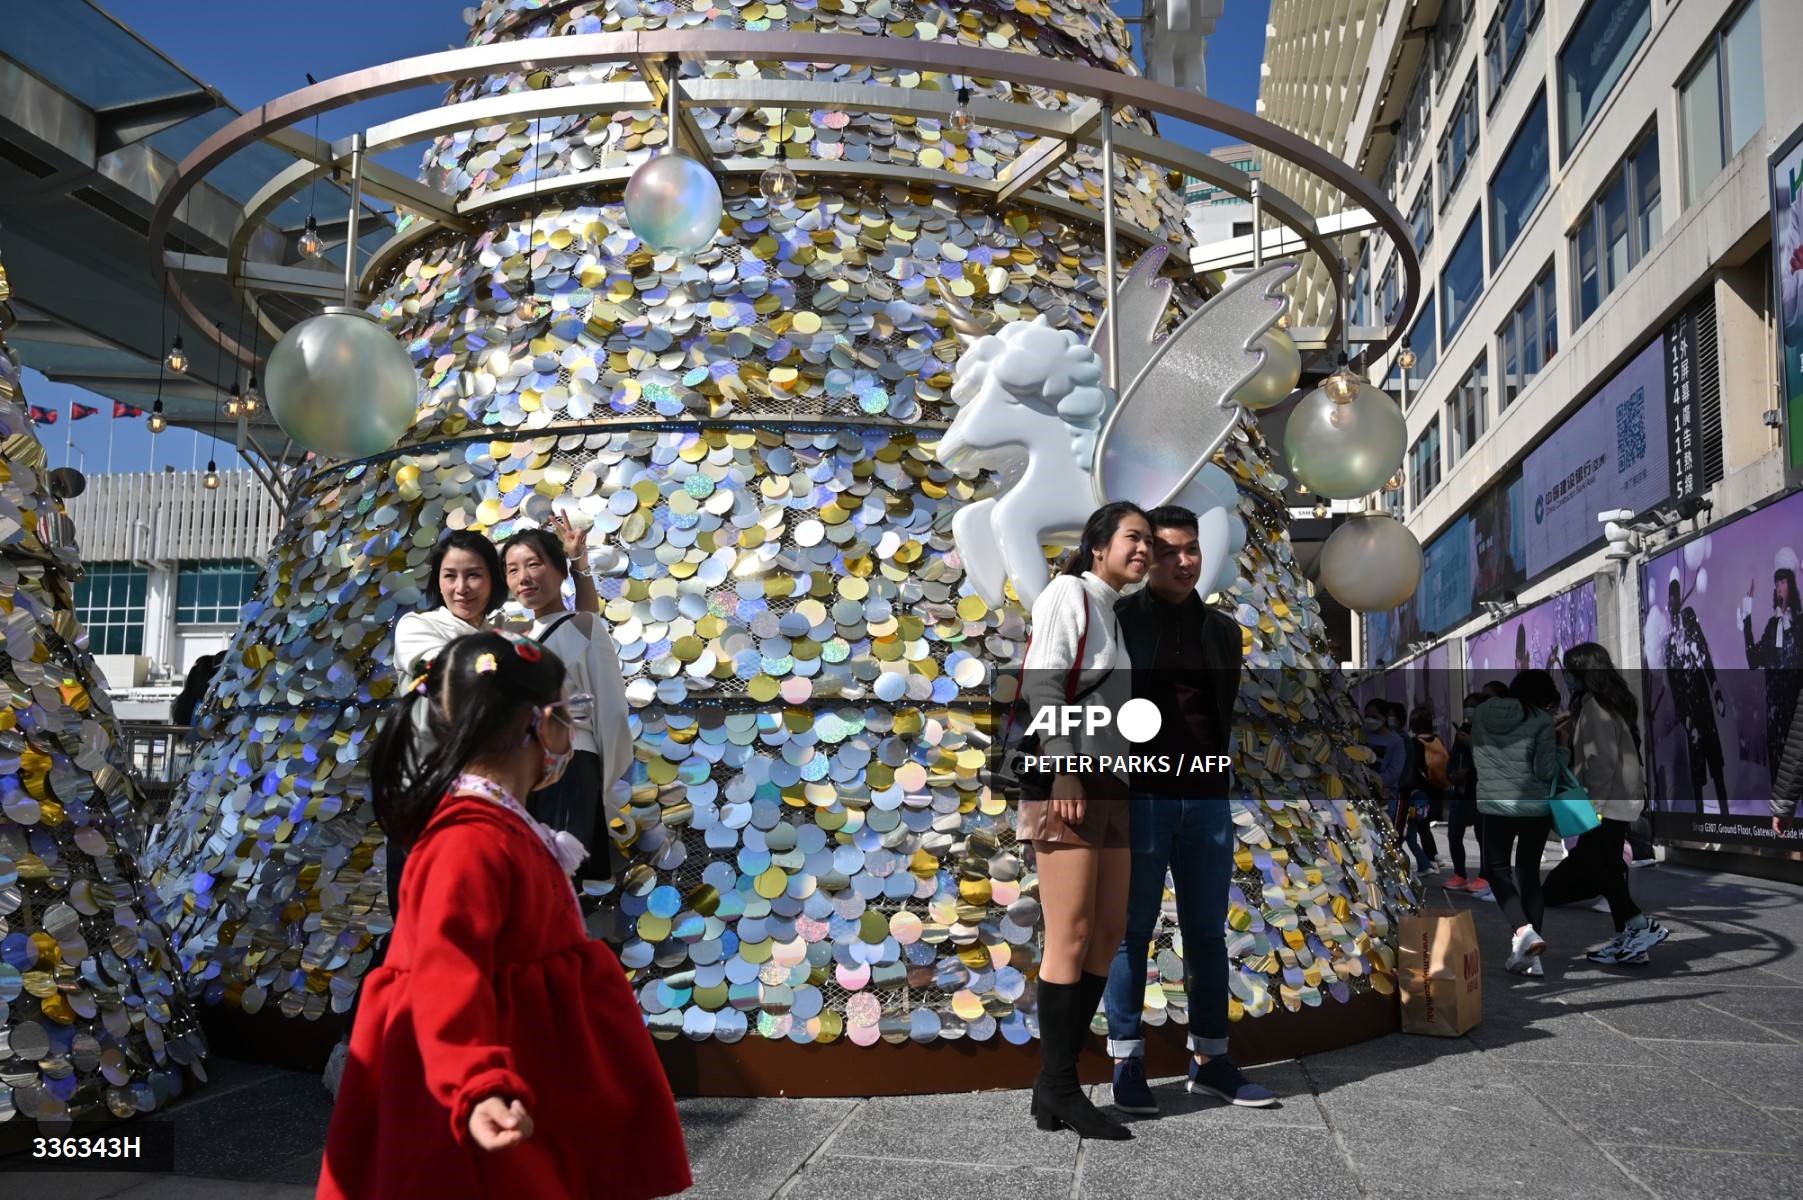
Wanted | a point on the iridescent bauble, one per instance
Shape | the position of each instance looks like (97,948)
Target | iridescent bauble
(673,204)
(341,386)
(1344,451)
(1277,377)
(1371,563)
(778,184)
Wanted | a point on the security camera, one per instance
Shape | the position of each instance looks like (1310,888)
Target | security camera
(1618,515)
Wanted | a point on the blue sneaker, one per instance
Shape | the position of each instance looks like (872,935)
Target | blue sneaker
(1131,1092)
(1218,1077)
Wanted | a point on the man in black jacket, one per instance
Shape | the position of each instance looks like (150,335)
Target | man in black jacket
(1186,661)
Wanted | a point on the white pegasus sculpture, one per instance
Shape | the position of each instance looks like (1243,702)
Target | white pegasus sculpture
(1034,410)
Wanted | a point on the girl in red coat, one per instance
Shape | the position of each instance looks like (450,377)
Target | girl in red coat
(498,1051)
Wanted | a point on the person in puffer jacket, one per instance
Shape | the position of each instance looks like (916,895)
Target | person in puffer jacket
(1515,746)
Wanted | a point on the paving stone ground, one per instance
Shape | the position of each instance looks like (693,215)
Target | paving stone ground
(1680,1079)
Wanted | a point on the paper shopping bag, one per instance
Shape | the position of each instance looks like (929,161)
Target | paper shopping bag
(1439,970)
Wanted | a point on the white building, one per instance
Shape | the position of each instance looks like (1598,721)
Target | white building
(167,566)
(1213,215)
(1587,185)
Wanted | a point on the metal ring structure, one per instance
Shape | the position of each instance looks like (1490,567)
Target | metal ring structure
(652,52)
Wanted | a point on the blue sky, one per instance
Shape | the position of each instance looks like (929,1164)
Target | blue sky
(252,51)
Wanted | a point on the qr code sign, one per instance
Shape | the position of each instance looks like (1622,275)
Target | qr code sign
(1630,430)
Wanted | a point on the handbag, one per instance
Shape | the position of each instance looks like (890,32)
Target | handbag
(1573,813)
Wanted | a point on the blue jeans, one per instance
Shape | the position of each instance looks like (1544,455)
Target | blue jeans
(1193,837)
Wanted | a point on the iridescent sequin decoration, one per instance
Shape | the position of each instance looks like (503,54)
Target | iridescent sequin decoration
(91,1020)
(814,852)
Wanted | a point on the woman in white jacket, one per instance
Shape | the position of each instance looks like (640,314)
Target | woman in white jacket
(1079,827)
(1605,755)
(536,569)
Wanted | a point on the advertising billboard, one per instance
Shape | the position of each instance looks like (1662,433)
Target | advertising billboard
(1721,628)
(1787,272)
(1534,637)
(1612,453)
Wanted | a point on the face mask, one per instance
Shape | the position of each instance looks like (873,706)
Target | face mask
(552,766)
(1573,684)
(1374,724)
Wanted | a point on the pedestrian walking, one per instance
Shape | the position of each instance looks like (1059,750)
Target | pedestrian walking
(1186,662)
(537,567)
(497,1039)
(1078,823)
(1514,741)
(1605,756)
(1392,758)
(1427,784)
(1461,807)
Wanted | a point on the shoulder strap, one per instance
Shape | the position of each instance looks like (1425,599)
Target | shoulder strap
(1070,680)
(545,637)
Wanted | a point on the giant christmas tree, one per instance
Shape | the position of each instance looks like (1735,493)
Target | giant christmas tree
(816,854)
(92,1021)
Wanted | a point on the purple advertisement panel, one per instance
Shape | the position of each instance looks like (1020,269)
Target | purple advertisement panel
(1612,453)
(1721,628)
(1533,637)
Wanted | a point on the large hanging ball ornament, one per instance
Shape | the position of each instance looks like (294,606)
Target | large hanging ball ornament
(1345,450)
(1371,563)
(341,386)
(1277,377)
(673,204)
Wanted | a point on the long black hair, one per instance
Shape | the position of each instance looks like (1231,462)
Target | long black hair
(470,542)
(477,693)
(1535,689)
(542,543)
(1098,531)
(1594,671)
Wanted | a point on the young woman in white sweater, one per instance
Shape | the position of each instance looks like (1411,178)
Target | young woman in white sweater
(1079,830)
(1605,756)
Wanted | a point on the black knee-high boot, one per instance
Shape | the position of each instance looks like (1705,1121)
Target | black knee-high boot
(1058,1099)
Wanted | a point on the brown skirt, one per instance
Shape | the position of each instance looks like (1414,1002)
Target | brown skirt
(1105,814)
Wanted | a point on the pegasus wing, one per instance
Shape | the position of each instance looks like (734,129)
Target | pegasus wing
(1139,304)
(1178,408)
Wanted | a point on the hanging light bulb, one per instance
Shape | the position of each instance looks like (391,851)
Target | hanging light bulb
(1301,489)
(1394,483)
(778,184)
(1283,319)
(961,117)
(530,308)
(309,244)
(178,357)
(211,481)
(1321,510)
(157,422)
(1342,385)
(234,403)
(253,399)
(1407,359)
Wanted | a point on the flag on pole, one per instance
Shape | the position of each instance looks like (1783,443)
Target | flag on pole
(80,412)
(43,416)
(121,409)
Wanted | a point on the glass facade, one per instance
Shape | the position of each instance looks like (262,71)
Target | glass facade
(1530,337)
(1618,229)
(211,593)
(1424,462)
(1468,410)
(1422,341)
(1462,279)
(1458,145)
(1421,218)
(1606,35)
(1520,181)
(1722,101)
(1510,26)
(109,602)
